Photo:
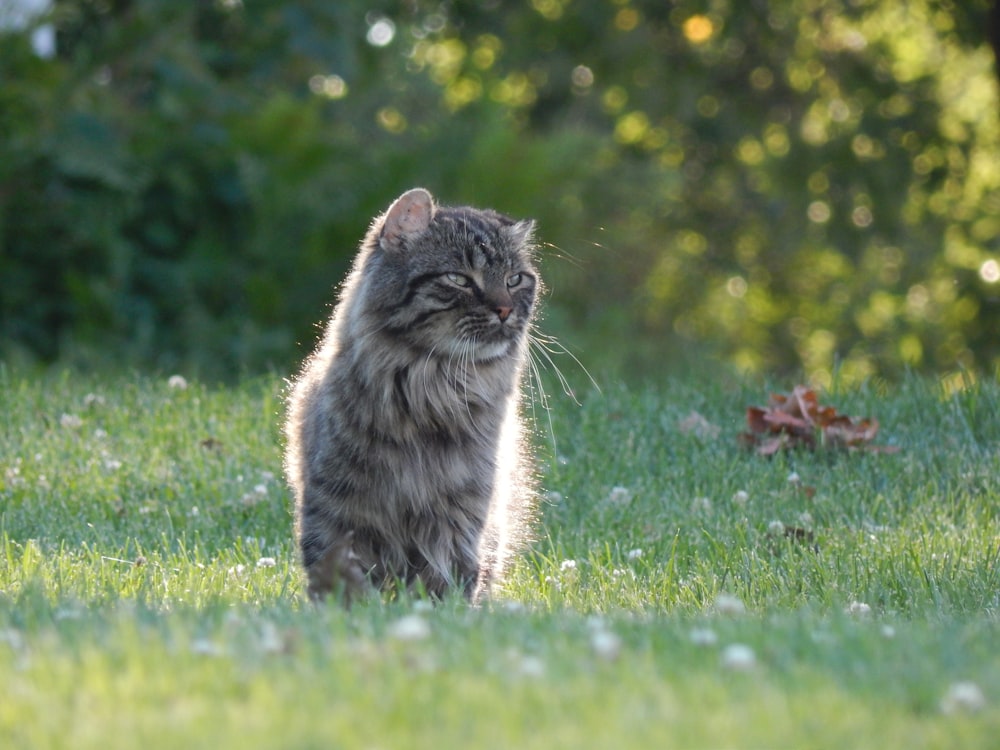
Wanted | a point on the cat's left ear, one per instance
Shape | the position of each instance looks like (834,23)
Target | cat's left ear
(409,215)
(520,233)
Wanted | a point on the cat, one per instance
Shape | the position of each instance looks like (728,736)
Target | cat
(405,444)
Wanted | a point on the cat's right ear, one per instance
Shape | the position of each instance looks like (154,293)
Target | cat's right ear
(408,216)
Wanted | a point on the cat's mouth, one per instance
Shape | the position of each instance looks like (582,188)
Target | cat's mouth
(481,349)
(495,342)
(489,351)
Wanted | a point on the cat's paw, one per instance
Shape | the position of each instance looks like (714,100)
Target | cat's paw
(339,573)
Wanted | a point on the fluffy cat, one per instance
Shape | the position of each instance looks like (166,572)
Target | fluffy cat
(404,440)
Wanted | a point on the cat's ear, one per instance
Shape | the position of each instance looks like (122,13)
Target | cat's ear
(520,233)
(408,216)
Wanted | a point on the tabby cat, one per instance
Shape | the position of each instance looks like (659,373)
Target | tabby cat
(404,441)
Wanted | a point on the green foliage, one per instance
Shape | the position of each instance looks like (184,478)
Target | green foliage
(150,593)
(807,184)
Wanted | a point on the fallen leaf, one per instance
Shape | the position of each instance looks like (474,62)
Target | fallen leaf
(797,420)
(794,534)
(211,444)
(798,534)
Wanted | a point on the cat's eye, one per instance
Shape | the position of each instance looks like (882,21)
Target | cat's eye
(515,280)
(458,279)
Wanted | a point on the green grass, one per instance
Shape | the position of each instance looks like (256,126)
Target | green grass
(149,595)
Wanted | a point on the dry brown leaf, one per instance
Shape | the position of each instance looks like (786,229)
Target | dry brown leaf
(797,420)
(795,534)
(211,444)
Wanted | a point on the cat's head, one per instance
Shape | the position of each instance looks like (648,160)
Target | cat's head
(456,282)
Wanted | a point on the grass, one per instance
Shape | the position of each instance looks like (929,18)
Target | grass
(149,595)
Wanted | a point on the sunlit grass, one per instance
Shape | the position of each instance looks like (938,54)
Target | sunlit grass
(149,594)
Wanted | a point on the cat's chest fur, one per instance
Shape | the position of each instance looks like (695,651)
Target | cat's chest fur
(423,435)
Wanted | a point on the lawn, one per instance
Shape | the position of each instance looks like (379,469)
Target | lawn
(682,591)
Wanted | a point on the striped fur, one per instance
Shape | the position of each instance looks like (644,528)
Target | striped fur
(404,446)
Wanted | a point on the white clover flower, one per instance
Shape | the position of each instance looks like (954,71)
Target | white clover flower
(963,697)
(703,637)
(596,622)
(567,565)
(93,399)
(858,609)
(619,496)
(738,657)
(250,499)
(727,604)
(70,422)
(741,497)
(875,528)
(266,562)
(410,628)
(805,518)
(606,644)
(12,638)
(794,478)
(12,475)
(177,382)
(776,528)
(260,489)
(205,647)
(531,666)
(701,505)
(271,640)
(237,570)
(696,424)
(634,554)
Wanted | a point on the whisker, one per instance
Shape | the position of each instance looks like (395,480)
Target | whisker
(535,376)
(562,254)
(457,373)
(467,358)
(548,346)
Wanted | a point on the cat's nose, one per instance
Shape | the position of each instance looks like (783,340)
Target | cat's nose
(504,312)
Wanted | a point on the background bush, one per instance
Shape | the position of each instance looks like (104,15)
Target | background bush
(791,185)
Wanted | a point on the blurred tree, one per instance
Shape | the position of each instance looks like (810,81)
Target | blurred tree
(806,183)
